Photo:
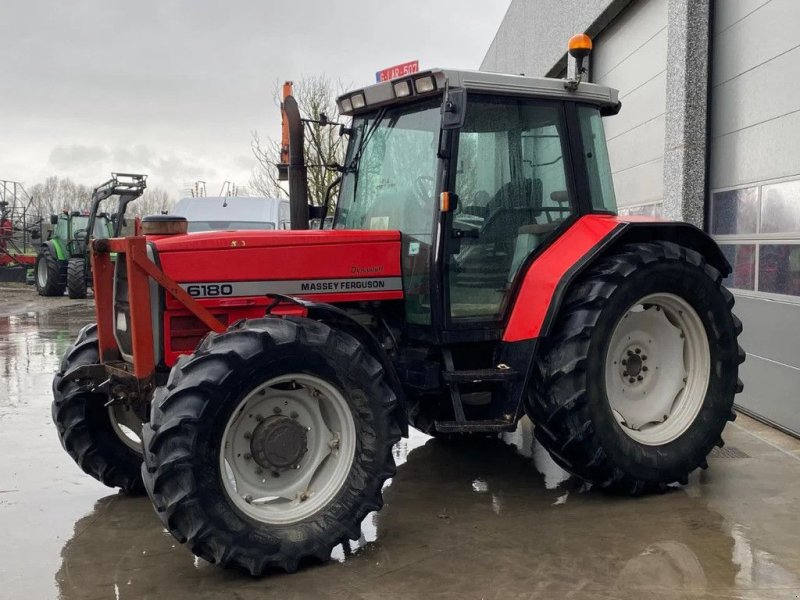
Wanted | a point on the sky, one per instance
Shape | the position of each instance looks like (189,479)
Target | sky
(174,88)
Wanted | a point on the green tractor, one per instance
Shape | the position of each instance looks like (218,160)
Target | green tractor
(63,260)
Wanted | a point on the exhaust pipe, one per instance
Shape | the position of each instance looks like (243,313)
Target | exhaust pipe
(298,184)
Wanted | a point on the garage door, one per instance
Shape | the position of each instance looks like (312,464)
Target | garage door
(631,56)
(755,200)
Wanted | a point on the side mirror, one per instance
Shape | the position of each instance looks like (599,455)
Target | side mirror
(53,219)
(454,109)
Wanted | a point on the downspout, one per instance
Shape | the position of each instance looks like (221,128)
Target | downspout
(709,71)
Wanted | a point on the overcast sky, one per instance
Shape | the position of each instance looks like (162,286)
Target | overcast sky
(173,88)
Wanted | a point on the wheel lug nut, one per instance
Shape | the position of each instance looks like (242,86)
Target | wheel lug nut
(248,456)
(638,351)
(624,373)
(277,410)
(259,418)
(631,380)
(248,499)
(276,474)
(294,415)
(624,362)
(630,353)
(639,378)
(644,368)
(248,435)
(644,356)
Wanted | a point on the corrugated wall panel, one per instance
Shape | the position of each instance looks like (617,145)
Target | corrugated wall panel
(631,55)
(755,139)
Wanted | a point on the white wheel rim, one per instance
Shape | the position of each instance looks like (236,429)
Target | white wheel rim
(41,272)
(126,425)
(657,369)
(292,493)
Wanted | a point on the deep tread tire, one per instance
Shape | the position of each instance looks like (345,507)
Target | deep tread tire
(189,415)
(76,278)
(55,281)
(568,405)
(84,426)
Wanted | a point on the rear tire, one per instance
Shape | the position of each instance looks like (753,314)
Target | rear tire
(49,273)
(88,429)
(594,408)
(76,278)
(226,503)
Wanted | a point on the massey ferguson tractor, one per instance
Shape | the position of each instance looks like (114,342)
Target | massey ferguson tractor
(255,382)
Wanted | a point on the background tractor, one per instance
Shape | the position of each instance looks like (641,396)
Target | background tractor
(63,259)
(255,382)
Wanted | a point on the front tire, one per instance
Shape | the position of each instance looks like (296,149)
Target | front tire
(49,273)
(638,379)
(270,444)
(105,441)
(76,278)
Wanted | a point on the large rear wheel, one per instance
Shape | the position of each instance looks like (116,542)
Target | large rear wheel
(638,379)
(270,444)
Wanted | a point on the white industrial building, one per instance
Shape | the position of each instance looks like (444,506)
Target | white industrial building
(709,133)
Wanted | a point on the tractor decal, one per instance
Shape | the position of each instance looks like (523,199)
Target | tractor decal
(291,287)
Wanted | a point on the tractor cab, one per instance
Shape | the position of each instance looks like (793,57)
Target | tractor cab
(478,171)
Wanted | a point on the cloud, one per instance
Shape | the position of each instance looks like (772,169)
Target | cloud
(75,155)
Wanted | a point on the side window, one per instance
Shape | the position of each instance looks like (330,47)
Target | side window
(601,186)
(513,188)
(61,228)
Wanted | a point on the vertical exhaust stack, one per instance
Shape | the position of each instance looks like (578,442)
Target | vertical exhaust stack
(298,184)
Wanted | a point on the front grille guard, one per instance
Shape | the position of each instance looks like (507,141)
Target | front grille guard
(140,269)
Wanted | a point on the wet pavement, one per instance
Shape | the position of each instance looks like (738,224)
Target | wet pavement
(492,520)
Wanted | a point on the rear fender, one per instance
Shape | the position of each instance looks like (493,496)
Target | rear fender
(548,278)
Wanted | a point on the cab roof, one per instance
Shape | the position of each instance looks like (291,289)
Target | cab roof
(433,81)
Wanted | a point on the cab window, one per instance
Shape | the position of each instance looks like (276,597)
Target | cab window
(512,184)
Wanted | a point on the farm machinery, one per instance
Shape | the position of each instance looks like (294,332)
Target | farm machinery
(63,262)
(253,383)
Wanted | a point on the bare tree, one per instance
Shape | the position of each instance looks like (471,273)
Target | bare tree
(57,194)
(154,201)
(323,145)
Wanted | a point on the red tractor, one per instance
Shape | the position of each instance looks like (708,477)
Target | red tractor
(255,382)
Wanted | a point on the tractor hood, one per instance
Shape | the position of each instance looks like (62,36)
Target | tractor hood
(333,266)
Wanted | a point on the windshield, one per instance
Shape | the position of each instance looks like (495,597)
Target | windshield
(390,171)
(82,222)
(220,225)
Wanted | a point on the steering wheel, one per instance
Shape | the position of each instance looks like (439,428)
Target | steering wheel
(81,233)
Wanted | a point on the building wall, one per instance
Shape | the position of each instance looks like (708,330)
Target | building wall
(631,56)
(533,35)
(755,192)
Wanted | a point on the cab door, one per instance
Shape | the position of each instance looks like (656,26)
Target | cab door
(514,186)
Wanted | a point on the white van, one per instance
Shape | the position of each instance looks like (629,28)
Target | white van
(233,212)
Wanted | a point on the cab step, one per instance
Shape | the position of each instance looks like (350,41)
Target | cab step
(480,375)
(490,426)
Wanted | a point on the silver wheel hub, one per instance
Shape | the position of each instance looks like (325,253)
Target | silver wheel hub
(288,448)
(279,443)
(657,368)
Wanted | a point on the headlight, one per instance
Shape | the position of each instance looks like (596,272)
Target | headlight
(347,106)
(424,85)
(358,101)
(402,89)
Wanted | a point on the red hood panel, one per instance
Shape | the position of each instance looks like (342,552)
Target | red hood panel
(332,266)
